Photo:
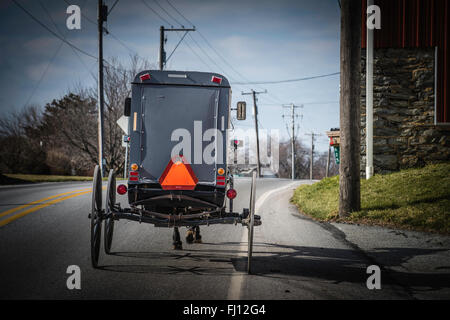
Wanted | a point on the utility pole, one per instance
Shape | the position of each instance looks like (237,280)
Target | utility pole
(350,113)
(162,53)
(312,157)
(327,171)
(102,16)
(255,111)
(311,161)
(293,115)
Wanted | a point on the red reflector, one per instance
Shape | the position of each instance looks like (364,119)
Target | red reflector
(220,183)
(132,173)
(145,77)
(216,79)
(133,178)
(178,175)
(231,194)
(121,189)
(220,178)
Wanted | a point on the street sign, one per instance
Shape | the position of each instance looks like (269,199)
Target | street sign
(337,154)
(123,124)
(125,140)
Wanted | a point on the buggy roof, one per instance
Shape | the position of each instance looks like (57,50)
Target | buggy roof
(187,78)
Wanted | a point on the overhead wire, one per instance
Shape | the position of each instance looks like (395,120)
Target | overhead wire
(121,42)
(51,31)
(155,12)
(168,14)
(290,80)
(64,36)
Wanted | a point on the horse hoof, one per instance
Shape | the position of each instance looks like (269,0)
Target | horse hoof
(189,237)
(177,246)
(198,239)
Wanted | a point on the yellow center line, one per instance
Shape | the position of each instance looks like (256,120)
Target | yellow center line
(40,206)
(2,214)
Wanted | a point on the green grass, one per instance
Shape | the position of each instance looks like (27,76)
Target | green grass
(416,199)
(34,178)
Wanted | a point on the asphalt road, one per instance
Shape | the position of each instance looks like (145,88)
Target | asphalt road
(294,257)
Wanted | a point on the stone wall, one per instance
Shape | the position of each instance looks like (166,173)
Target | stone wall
(404,131)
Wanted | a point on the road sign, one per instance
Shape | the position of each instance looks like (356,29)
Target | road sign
(337,154)
(123,124)
(125,140)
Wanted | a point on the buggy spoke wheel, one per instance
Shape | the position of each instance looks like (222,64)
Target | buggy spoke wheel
(251,222)
(110,203)
(96,216)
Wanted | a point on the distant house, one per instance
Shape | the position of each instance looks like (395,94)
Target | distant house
(411,84)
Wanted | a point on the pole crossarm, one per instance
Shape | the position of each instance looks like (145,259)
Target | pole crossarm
(162,53)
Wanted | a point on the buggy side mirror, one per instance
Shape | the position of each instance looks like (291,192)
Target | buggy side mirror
(241,112)
(127,107)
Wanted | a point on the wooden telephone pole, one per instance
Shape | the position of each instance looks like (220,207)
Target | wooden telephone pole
(102,12)
(350,120)
(292,116)
(162,53)
(311,160)
(255,111)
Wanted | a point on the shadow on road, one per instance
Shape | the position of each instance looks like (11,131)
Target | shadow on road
(277,260)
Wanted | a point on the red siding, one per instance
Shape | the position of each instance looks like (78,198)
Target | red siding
(417,24)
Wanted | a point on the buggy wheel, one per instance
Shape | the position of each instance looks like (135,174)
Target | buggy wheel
(250,225)
(110,203)
(96,216)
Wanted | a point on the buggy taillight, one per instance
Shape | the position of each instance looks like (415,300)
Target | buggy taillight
(231,194)
(121,189)
(217,80)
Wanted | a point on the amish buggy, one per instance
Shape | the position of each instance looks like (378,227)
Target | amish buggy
(170,183)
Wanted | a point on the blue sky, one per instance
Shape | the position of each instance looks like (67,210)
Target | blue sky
(262,40)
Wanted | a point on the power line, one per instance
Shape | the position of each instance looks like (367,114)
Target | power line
(64,36)
(184,35)
(196,54)
(168,14)
(112,7)
(304,103)
(52,32)
(123,44)
(187,20)
(273,97)
(206,54)
(290,80)
(155,12)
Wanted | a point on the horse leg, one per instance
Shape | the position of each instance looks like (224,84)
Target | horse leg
(177,244)
(197,236)
(190,235)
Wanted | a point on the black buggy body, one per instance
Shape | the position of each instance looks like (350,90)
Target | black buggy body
(178,174)
(186,109)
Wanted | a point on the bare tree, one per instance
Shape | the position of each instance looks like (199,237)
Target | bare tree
(117,86)
(302,162)
(22,150)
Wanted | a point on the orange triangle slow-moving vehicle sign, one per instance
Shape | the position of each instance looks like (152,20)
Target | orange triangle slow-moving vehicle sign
(178,175)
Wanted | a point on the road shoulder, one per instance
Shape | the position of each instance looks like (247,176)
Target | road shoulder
(418,261)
